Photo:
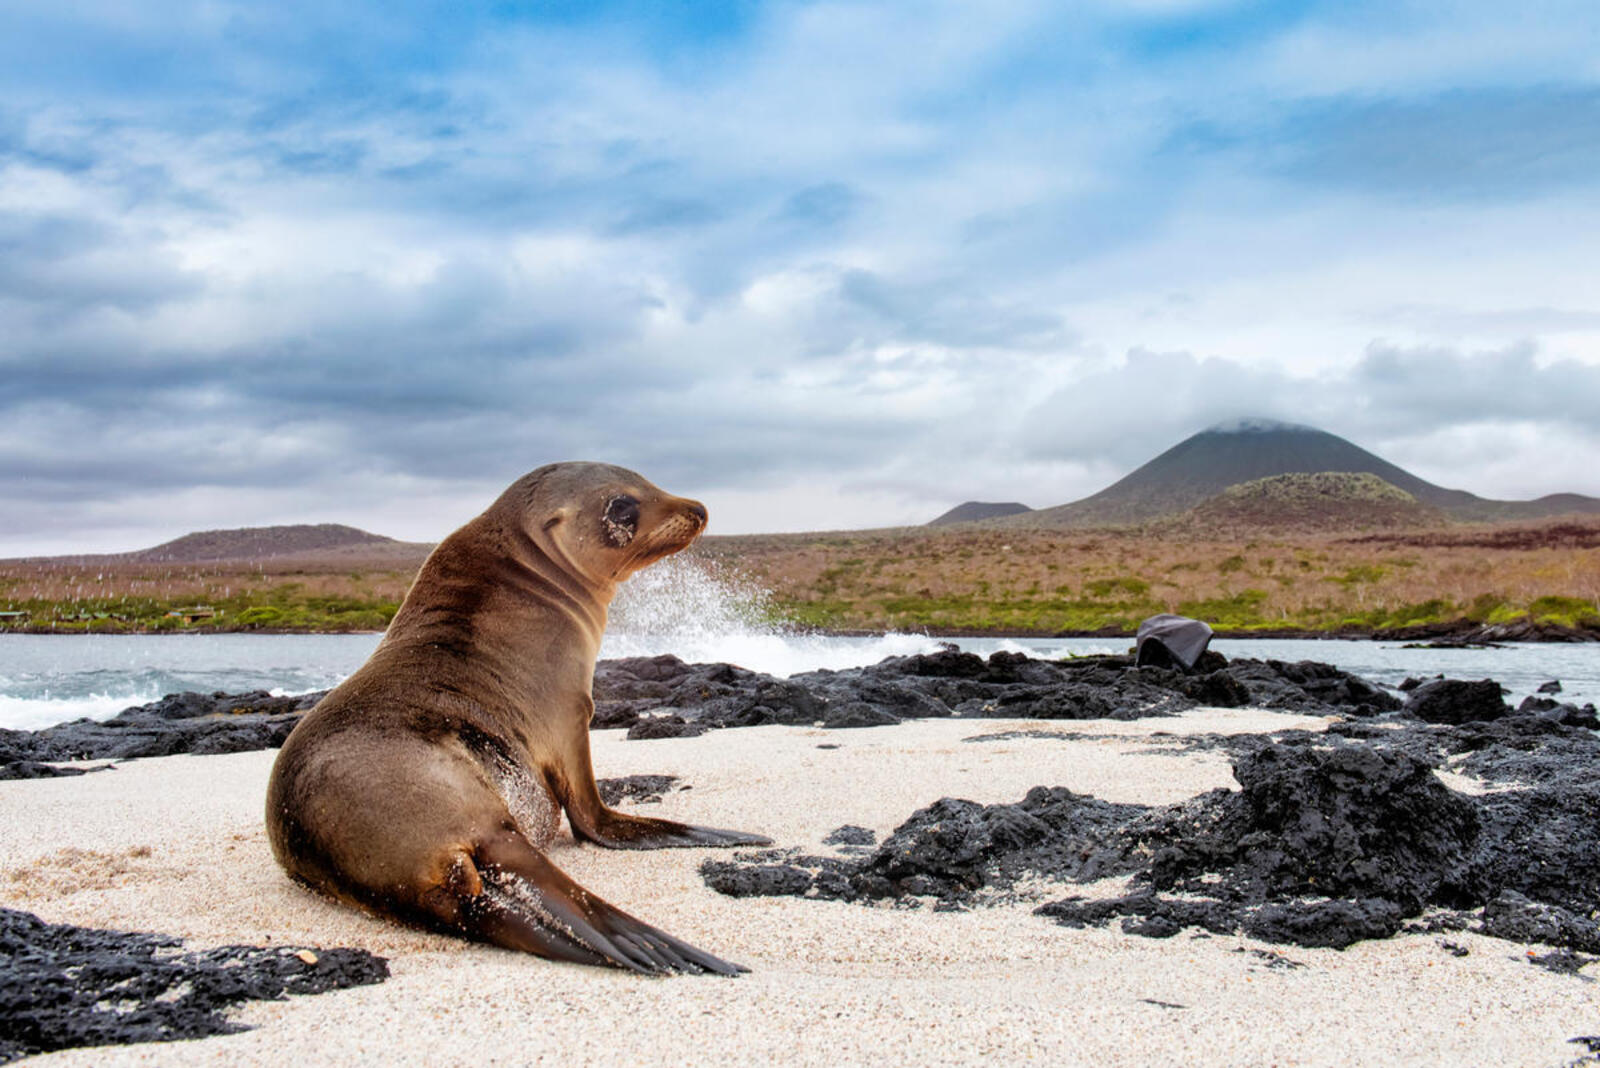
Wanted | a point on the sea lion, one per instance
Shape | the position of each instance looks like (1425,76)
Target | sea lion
(426,785)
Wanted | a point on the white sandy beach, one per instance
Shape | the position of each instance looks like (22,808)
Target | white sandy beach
(176,845)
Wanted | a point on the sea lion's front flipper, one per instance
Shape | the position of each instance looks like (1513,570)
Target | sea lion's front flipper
(619,830)
(594,821)
(528,903)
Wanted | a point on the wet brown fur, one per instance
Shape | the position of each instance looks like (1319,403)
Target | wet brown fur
(426,785)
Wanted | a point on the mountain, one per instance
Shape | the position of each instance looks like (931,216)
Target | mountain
(322,544)
(970,511)
(1229,454)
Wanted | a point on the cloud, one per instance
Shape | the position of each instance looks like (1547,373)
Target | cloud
(1465,143)
(313,261)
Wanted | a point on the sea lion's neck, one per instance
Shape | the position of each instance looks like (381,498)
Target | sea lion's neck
(503,594)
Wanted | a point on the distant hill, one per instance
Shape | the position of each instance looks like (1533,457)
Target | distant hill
(1204,465)
(1326,500)
(971,511)
(259,543)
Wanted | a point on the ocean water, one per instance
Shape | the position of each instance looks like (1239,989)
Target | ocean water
(679,608)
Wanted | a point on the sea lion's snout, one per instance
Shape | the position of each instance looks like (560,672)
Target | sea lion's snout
(697,510)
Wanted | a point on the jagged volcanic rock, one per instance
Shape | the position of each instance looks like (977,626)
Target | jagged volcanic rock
(63,987)
(1329,840)
(1457,701)
(178,723)
(663,697)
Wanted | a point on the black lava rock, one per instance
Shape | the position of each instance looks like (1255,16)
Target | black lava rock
(851,835)
(1516,918)
(62,986)
(178,723)
(1332,838)
(647,727)
(640,788)
(1456,701)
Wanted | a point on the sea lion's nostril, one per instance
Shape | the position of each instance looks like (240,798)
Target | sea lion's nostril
(698,510)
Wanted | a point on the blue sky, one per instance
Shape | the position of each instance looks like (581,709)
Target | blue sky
(821,265)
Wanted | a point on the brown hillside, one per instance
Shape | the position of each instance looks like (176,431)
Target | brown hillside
(1323,502)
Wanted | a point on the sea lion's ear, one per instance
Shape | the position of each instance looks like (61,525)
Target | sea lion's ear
(621,521)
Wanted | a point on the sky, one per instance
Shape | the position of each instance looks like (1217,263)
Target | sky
(820,265)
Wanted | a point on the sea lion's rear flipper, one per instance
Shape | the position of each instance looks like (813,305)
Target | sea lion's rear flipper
(529,904)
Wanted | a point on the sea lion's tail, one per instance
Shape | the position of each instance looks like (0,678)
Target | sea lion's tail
(529,904)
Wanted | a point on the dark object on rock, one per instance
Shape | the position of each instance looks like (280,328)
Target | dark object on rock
(641,788)
(1455,701)
(1167,640)
(63,987)
(1553,686)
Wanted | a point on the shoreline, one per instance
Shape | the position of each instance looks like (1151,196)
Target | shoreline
(1464,632)
(176,844)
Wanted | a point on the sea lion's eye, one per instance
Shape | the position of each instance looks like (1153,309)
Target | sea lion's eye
(621,520)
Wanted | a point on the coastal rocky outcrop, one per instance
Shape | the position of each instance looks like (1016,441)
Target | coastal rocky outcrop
(1331,838)
(178,723)
(664,697)
(63,986)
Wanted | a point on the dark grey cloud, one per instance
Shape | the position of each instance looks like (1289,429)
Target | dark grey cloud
(55,263)
(303,257)
(1427,387)
(1393,395)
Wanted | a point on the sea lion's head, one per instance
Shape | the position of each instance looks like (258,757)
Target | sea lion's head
(601,521)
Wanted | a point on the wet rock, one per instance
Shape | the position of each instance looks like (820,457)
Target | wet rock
(1456,701)
(63,987)
(1553,686)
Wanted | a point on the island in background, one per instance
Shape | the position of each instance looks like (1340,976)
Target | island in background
(1258,528)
